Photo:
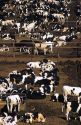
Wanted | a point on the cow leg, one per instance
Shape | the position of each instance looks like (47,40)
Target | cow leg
(8,106)
(11,107)
(26,87)
(63,107)
(65,98)
(67,113)
(67,116)
(18,107)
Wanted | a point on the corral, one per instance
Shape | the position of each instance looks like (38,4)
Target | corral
(69,72)
(37,30)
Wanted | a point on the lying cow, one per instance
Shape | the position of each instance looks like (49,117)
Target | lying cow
(72,107)
(8,120)
(46,89)
(44,82)
(74,91)
(35,94)
(36,64)
(57,98)
(34,117)
(13,102)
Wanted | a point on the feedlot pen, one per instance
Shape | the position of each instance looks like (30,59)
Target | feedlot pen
(69,73)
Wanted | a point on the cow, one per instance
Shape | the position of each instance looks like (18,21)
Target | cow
(34,117)
(36,64)
(7,22)
(52,73)
(30,26)
(13,103)
(35,94)
(18,79)
(27,70)
(47,65)
(57,98)
(73,106)
(4,48)
(69,90)
(44,82)
(46,89)
(7,118)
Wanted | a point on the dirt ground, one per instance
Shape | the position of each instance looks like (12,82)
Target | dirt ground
(68,73)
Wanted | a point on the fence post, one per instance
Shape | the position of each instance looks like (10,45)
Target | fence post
(13,49)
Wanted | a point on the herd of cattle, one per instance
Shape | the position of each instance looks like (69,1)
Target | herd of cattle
(22,85)
(39,19)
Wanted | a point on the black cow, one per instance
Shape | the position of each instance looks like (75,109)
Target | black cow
(35,94)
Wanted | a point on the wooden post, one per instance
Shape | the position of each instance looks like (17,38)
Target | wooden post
(13,49)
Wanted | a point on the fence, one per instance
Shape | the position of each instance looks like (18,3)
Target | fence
(73,50)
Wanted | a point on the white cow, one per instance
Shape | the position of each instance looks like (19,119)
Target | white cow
(36,64)
(18,26)
(29,27)
(8,22)
(73,91)
(60,43)
(13,100)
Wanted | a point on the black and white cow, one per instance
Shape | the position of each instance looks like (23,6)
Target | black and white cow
(44,82)
(35,94)
(47,89)
(28,70)
(69,90)
(13,103)
(34,117)
(20,79)
(73,106)
(8,118)
(57,98)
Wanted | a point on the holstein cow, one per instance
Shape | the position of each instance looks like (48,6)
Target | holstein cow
(19,79)
(44,82)
(57,98)
(46,89)
(72,107)
(13,102)
(74,91)
(8,118)
(35,94)
(34,117)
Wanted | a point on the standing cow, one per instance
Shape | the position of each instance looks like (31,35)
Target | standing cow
(13,103)
(73,91)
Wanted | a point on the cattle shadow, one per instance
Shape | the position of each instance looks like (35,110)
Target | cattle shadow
(47,108)
(73,70)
